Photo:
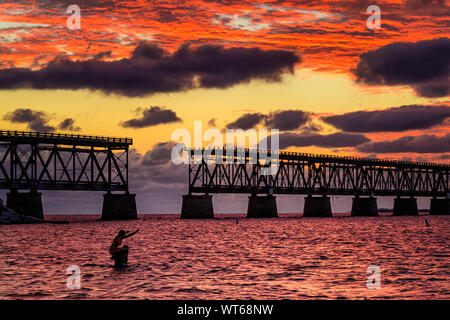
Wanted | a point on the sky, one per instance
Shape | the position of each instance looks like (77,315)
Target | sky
(312,69)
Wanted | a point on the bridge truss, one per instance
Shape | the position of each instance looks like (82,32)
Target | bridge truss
(301,173)
(53,161)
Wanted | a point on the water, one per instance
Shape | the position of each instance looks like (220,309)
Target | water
(284,258)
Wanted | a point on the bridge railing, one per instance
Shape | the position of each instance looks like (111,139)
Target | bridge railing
(308,173)
(57,161)
(286,154)
(33,134)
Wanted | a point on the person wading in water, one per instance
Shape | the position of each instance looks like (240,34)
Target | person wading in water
(118,253)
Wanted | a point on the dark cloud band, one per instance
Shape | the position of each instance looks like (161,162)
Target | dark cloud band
(403,118)
(282,120)
(424,65)
(151,69)
(247,121)
(335,140)
(35,120)
(39,120)
(152,117)
(409,144)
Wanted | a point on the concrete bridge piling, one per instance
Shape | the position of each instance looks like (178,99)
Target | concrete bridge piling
(295,173)
(317,206)
(262,206)
(119,206)
(197,207)
(364,207)
(265,206)
(26,203)
(405,207)
(440,206)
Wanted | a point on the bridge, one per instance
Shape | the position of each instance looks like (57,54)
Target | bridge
(35,161)
(317,177)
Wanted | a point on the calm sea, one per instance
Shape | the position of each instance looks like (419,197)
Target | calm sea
(286,258)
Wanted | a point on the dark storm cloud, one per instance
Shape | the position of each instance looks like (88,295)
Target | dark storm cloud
(394,119)
(146,50)
(424,65)
(287,119)
(102,54)
(246,121)
(335,140)
(417,144)
(159,154)
(155,167)
(151,69)
(281,119)
(432,91)
(36,120)
(68,125)
(152,117)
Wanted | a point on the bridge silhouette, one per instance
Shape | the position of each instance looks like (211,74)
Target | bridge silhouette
(34,161)
(53,161)
(236,171)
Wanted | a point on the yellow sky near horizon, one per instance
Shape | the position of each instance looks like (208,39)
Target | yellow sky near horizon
(100,114)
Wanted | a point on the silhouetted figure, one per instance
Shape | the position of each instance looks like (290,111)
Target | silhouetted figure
(237,221)
(120,254)
(426,221)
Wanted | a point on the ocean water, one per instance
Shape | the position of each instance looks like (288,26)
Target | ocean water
(285,258)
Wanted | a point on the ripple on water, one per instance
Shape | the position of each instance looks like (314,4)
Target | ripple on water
(256,259)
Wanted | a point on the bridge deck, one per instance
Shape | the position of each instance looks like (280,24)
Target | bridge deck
(62,138)
(285,156)
(56,161)
(303,173)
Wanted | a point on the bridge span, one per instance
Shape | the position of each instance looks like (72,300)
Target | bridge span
(35,161)
(317,177)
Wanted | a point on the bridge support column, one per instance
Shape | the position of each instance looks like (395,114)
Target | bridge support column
(121,206)
(317,207)
(197,207)
(27,203)
(364,207)
(405,207)
(440,206)
(262,206)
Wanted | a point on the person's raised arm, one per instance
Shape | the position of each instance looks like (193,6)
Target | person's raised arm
(131,234)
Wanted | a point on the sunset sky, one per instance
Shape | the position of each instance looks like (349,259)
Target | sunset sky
(311,69)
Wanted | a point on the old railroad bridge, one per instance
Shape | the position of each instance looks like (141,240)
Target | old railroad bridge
(34,161)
